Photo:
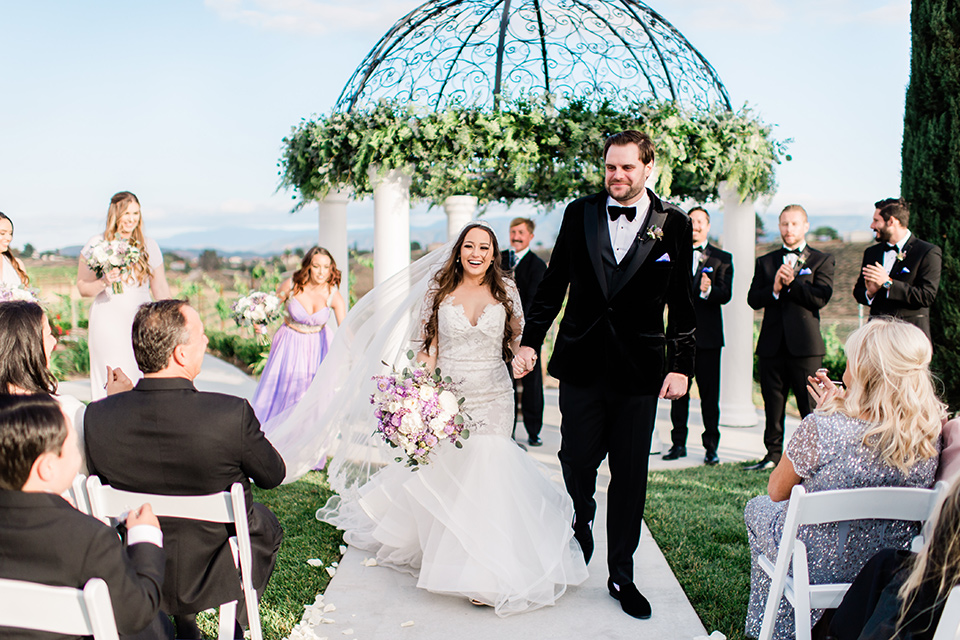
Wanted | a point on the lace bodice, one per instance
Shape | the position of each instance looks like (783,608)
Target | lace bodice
(472,356)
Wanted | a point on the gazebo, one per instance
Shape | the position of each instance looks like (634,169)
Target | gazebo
(463,92)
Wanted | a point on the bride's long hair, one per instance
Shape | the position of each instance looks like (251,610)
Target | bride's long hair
(449,277)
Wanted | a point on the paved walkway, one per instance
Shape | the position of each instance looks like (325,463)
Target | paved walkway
(373,602)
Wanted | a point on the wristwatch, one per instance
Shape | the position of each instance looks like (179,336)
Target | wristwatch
(886,285)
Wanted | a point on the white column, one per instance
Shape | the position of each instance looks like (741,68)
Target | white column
(391,222)
(332,223)
(460,210)
(736,365)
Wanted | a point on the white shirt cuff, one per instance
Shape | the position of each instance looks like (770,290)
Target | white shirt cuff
(776,296)
(869,300)
(705,295)
(145,533)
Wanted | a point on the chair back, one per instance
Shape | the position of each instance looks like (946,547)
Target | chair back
(227,507)
(65,610)
(949,626)
(78,493)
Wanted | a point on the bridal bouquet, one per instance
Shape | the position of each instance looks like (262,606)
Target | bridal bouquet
(416,409)
(257,310)
(112,254)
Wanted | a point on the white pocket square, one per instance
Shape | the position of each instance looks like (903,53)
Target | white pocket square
(805,271)
(664,258)
(904,270)
(708,269)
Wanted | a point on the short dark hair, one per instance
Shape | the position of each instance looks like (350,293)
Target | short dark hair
(23,363)
(897,209)
(880,204)
(630,136)
(158,328)
(705,212)
(516,222)
(794,207)
(30,425)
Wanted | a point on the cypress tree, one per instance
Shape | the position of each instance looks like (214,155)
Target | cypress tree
(931,168)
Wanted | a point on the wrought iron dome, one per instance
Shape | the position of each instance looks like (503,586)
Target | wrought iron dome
(473,51)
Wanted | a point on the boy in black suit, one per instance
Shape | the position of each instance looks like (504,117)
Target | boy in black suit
(165,437)
(712,270)
(528,270)
(791,285)
(44,539)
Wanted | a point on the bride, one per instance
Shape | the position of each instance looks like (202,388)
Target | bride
(484,522)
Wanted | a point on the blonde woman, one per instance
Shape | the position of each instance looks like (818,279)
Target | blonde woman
(111,314)
(884,430)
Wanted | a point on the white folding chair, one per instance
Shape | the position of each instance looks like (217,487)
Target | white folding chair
(78,612)
(229,506)
(949,626)
(881,503)
(78,493)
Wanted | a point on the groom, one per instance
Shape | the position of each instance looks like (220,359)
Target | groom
(625,255)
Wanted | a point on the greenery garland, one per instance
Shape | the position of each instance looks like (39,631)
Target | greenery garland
(529,150)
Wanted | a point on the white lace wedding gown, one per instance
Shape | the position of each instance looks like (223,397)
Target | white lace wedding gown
(485,521)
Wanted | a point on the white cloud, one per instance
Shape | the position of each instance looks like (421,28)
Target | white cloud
(313,17)
(754,16)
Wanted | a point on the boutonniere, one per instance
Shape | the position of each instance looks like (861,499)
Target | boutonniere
(801,260)
(653,233)
(901,255)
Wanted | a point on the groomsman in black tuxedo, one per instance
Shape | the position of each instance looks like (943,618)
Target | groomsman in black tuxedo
(44,539)
(624,255)
(528,270)
(712,286)
(900,274)
(166,437)
(791,285)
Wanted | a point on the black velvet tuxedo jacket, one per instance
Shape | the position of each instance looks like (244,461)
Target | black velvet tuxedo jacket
(794,318)
(614,332)
(916,280)
(166,437)
(527,274)
(44,539)
(717,264)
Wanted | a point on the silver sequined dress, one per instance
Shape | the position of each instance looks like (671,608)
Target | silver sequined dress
(828,453)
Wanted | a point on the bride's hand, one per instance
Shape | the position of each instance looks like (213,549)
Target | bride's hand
(524,362)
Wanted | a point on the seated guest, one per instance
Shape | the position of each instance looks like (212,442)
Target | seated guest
(165,437)
(883,431)
(26,345)
(44,539)
(900,595)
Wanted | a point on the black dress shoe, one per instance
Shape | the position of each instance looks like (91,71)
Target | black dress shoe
(676,451)
(534,441)
(584,536)
(763,465)
(631,600)
(711,458)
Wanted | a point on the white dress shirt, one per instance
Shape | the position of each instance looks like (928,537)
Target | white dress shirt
(890,258)
(622,231)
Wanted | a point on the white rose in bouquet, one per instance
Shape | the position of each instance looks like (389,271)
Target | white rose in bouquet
(448,403)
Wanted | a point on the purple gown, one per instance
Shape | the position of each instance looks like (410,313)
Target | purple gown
(297,350)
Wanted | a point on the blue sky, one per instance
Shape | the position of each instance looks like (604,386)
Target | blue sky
(186,102)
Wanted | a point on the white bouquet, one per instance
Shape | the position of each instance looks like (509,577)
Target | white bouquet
(11,294)
(257,310)
(106,255)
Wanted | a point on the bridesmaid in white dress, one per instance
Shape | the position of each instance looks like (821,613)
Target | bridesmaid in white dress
(12,274)
(111,314)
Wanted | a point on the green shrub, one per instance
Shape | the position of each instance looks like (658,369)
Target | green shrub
(71,358)
(247,352)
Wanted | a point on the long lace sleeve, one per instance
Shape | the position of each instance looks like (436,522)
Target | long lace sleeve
(516,322)
(425,310)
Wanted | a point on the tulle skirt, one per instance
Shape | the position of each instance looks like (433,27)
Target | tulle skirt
(483,522)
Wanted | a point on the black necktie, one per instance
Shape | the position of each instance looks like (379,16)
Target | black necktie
(615,212)
(890,247)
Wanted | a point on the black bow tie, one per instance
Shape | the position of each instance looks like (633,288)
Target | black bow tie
(890,247)
(795,252)
(700,248)
(615,212)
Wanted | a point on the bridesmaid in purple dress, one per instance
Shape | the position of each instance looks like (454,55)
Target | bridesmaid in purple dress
(301,343)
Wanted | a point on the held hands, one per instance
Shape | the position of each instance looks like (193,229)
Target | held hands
(674,386)
(822,388)
(524,362)
(705,283)
(117,381)
(874,275)
(143,515)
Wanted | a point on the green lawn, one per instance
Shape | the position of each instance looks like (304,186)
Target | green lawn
(696,516)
